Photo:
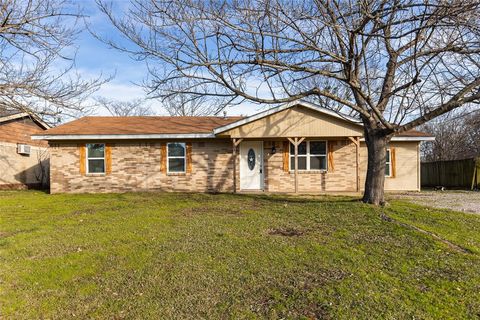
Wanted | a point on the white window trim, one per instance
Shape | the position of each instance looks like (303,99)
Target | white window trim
(95,158)
(184,157)
(388,163)
(290,155)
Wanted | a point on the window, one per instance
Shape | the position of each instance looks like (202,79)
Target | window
(388,162)
(95,158)
(312,155)
(176,157)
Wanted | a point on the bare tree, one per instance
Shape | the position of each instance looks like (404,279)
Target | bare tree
(184,104)
(458,137)
(36,75)
(393,64)
(135,107)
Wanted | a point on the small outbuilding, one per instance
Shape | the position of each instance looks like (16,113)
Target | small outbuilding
(23,163)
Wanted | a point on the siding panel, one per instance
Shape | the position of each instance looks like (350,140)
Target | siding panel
(297,122)
(406,167)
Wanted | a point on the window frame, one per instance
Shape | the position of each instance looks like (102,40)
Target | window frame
(308,155)
(184,157)
(388,163)
(87,158)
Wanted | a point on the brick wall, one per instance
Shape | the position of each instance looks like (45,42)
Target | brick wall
(136,167)
(342,178)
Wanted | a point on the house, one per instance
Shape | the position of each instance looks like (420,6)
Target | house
(23,162)
(224,154)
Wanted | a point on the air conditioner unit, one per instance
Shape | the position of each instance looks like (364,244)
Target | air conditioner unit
(23,149)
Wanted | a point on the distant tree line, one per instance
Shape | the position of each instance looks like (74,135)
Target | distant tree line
(457,137)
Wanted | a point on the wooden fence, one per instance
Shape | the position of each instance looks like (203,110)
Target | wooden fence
(462,174)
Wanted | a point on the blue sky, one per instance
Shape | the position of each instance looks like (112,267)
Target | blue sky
(94,58)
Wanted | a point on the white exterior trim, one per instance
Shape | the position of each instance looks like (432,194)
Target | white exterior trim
(122,136)
(408,139)
(308,155)
(24,115)
(168,136)
(282,107)
(14,116)
(95,158)
(413,139)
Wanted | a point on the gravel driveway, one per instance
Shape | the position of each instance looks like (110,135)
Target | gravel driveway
(465,201)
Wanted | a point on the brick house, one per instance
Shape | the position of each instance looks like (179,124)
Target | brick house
(23,162)
(224,154)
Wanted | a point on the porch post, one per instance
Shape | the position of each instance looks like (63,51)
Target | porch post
(296,142)
(296,165)
(358,163)
(236,142)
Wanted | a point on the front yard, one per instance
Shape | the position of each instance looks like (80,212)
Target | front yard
(154,255)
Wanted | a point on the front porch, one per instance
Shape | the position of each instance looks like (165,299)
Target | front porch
(305,149)
(307,165)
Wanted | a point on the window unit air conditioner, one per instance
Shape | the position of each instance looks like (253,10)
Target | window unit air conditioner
(23,149)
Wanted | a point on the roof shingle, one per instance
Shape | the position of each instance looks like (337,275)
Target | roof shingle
(141,125)
(155,125)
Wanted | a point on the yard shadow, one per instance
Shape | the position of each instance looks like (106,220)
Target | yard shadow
(284,198)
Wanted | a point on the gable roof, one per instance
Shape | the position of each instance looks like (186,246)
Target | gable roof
(282,107)
(9,115)
(164,127)
(411,135)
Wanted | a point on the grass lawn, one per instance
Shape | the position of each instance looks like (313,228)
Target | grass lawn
(155,255)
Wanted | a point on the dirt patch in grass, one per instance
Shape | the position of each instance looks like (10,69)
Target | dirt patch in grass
(235,208)
(286,232)
(294,298)
(84,211)
(190,212)
(13,233)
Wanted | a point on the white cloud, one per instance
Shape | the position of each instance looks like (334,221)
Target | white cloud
(121,91)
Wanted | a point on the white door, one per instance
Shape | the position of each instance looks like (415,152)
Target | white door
(251,165)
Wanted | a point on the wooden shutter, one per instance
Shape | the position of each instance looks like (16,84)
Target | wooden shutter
(331,164)
(81,151)
(393,161)
(188,159)
(163,157)
(286,156)
(108,158)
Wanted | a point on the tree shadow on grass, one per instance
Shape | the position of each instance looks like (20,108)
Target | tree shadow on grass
(276,198)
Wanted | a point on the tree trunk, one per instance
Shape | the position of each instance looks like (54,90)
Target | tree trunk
(377,150)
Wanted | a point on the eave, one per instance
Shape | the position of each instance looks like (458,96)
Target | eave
(123,136)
